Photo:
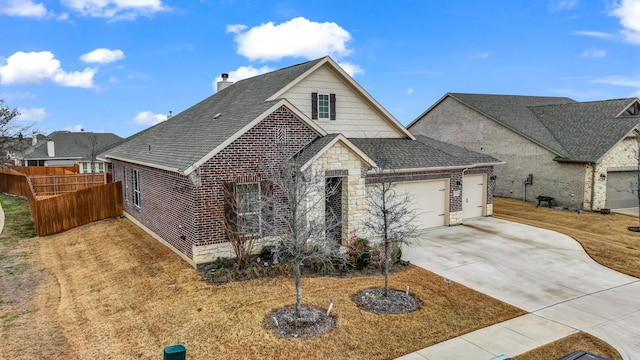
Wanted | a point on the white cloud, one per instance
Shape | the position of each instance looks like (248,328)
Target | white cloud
(38,67)
(116,9)
(236,28)
(351,69)
(628,11)
(560,5)
(619,81)
(596,34)
(23,8)
(593,53)
(149,118)
(243,72)
(102,55)
(297,37)
(409,91)
(33,114)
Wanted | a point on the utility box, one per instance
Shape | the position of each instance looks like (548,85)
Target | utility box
(581,355)
(175,352)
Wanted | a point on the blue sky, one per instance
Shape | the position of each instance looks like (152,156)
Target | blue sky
(121,65)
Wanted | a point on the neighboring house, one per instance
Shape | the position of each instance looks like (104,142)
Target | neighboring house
(583,154)
(13,148)
(174,174)
(62,148)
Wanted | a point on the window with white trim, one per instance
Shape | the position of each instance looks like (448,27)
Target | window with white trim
(247,200)
(323,106)
(135,184)
(85,167)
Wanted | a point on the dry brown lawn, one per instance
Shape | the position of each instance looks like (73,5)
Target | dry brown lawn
(604,237)
(108,291)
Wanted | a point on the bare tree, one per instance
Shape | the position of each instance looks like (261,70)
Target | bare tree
(10,129)
(391,218)
(237,226)
(293,215)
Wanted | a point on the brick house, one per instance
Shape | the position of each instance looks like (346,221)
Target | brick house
(62,148)
(583,154)
(174,174)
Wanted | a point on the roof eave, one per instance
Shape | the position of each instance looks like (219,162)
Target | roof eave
(137,162)
(347,143)
(282,102)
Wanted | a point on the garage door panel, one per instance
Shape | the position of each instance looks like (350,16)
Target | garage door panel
(622,187)
(472,196)
(429,201)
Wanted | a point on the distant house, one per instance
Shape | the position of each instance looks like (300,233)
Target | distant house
(62,148)
(583,154)
(174,174)
(12,149)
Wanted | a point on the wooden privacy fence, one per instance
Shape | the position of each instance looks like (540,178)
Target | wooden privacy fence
(66,211)
(63,212)
(42,170)
(61,184)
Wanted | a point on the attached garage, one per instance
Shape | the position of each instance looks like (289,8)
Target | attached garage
(473,196)
(430,199)
(622,187)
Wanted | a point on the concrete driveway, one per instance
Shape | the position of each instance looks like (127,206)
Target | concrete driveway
(544,272)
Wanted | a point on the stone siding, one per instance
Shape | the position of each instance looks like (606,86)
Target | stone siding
(623,156)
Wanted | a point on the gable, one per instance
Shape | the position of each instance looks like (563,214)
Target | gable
(356,115)
(631,110)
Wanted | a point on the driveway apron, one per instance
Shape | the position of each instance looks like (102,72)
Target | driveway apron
(541,271)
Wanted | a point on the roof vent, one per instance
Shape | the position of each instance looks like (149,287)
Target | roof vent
(217,115)
(225,83)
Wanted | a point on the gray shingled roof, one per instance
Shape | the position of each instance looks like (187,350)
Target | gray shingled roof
(575,131)
(188,137)
(415,154)
(74,145)
(313,148)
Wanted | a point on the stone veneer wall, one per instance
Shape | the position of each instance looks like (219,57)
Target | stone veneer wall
(339,157)
(623,156)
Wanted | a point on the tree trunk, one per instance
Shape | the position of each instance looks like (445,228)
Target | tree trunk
(386,269)
(298,275)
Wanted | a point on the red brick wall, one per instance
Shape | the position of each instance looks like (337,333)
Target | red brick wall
(185,214)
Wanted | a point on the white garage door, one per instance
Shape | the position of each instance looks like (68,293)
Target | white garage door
(430,201)
(472,196)
(622,187)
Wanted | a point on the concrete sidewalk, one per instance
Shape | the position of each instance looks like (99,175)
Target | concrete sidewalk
(544,272)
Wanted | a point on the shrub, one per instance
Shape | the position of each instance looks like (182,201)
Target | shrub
(360,251)
(266,253)
(223,262)
(396,255)
(321,267)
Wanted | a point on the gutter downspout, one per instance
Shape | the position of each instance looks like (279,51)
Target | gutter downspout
(593,184)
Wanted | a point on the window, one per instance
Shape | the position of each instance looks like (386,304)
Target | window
(323,106)
(247,198)
(85,168)
(98,167)
(135,183)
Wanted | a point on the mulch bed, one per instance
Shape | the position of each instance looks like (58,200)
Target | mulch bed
(312,322)
(396,302)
